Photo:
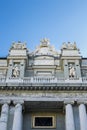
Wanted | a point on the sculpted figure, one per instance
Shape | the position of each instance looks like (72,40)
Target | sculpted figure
(15,71)
(64,46)
(70,46)
(74,45)
(24,46)
(71,71)
(13,45)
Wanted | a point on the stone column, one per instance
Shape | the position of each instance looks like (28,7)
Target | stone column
(83,117)
(17,122)
(69,119)
(4,117)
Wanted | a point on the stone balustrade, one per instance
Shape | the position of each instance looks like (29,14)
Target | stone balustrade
(36,79)
(2,79)
(43,80)
(84,79)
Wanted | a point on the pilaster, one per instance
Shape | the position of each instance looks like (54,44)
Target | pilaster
(66,73)
(78,71)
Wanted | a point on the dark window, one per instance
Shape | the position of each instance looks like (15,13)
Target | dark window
(43,121)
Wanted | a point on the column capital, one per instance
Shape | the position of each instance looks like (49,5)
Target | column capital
(15,102)
(82,102)
(5,102)
(66,102)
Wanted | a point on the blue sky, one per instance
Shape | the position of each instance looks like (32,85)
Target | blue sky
(31,20)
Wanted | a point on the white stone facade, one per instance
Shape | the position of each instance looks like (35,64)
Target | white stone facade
(45,84)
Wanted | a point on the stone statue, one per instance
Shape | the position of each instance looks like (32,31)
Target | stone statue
(45,42)
(74,46)
(70,46)
(15,71)
(71,71)
(24,46)
(64,46)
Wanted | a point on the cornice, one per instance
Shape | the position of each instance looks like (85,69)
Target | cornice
(45,86)
(44,66)
(71,57)
(16,57)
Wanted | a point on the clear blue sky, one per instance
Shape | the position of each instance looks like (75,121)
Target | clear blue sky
(31,20)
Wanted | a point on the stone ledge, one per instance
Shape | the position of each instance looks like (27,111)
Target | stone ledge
(54,86)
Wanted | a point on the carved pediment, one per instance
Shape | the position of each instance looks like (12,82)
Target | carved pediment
(45,49)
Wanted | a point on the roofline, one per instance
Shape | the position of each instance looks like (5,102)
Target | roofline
(84,58)
(3,57)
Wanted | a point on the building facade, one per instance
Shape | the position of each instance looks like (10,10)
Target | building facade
(43,89)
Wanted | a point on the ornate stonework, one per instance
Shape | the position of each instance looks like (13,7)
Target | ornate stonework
(45,49)
(41,82)
(69,45)
(18,45)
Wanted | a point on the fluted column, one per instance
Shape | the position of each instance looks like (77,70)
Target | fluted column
(83,117)
(69,119)
(4,117)
(17,122)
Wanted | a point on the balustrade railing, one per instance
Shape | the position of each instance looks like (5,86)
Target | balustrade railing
(2,79)
(42,80)
(26,80)
(84,79)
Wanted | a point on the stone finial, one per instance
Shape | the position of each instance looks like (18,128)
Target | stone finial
(45,42)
